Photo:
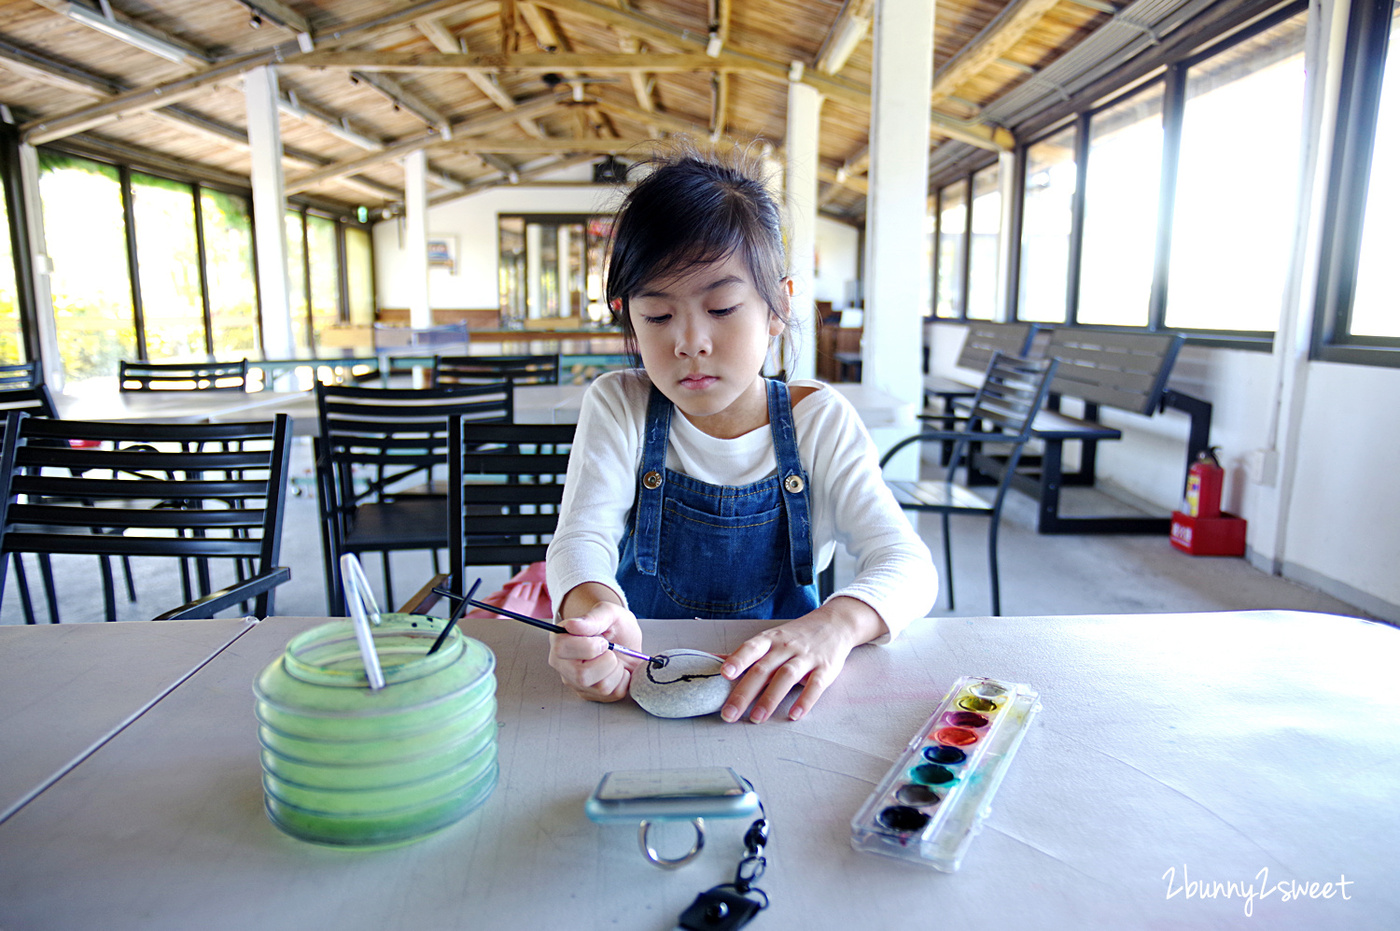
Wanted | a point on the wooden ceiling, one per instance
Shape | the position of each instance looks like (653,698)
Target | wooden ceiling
(497,91)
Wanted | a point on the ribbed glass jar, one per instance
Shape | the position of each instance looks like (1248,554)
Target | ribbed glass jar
(350,766)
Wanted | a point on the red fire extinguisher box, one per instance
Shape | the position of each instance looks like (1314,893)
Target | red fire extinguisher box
(1208,536)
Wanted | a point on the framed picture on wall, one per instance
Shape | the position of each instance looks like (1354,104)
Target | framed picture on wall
(442,252)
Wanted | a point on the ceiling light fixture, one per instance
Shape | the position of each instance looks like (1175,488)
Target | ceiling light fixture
(129,34)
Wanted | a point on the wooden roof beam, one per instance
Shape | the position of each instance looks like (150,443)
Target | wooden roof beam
(1000,36)
(59,126)
(481,125)
(850,29)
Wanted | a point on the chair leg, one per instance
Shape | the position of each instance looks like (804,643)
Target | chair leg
(388,580)
(992,560)
(50,593)
(130,580)
(948,557)
(25,602)
(109,588)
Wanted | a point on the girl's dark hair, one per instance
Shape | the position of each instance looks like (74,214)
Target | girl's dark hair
(692,210)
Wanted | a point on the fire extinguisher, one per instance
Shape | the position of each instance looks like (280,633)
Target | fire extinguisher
(1204,481)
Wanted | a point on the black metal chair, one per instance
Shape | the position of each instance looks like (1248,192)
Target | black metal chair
(197,492)
(194,376)
(15,375)
(1002,412)
(480,370)
(381,469)
(506,482)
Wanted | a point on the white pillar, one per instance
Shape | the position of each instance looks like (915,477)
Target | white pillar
(803,132)
(896,266)
(269,211)
(1006,285)
(52,358)
(415,202)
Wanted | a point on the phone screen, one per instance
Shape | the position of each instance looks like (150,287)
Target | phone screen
(708,782)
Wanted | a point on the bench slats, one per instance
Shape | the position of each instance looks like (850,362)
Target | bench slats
(1123,370)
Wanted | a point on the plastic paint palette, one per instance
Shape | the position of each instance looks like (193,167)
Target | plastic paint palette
(936,796)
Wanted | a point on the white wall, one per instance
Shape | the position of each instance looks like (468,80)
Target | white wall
(473,220)
(838,260)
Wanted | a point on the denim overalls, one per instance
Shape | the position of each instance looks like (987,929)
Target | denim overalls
(719,551)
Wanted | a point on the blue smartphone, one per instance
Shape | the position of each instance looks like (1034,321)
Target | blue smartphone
(633,795)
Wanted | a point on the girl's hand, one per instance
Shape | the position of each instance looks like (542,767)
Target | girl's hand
(582,657)
(810,650)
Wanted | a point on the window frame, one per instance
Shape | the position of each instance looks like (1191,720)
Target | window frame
(1170,69)
(1367,41)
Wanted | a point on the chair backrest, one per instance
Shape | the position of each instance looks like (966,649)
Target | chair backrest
(387,437)
(194,376)
(984,338)
(477,370)
(1128,371)
(198,491)
(34,400)
(505,486)
(19,375)
(1003,412)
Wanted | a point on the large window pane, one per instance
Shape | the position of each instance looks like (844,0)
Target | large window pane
(325,273)
(228,257)
(10,339)
(1374,305)
(296,285)
(1120,211)
(85,231)
(1047,215)
(985,261)
(359,275)
(952,240)
(1235,212)
(168,268)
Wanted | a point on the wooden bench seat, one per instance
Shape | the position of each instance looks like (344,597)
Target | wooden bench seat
(1124,371)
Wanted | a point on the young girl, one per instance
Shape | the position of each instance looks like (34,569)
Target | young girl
(698,488)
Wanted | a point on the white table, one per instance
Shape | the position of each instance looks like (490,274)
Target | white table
(67,688)
(561,404)
(177,406)
(1172,749)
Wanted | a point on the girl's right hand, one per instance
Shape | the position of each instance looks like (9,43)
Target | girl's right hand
(582,658)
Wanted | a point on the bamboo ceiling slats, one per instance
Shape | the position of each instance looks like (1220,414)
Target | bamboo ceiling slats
(365,103)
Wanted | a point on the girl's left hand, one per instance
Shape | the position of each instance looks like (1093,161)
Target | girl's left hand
(810,650)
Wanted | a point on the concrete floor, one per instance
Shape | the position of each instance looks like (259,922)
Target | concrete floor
(1041,575)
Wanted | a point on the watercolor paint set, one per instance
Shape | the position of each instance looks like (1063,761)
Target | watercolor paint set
(934,799)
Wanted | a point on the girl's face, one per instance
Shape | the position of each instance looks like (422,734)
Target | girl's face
(703,335)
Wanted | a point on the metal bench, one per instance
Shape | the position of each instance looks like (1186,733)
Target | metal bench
(1124,371)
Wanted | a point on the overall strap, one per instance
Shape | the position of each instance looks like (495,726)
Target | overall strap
(796,499)
(652,476)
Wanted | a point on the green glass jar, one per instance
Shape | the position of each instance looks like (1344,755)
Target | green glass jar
(351,766)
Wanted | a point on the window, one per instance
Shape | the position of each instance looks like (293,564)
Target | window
(324,294)
(10,335)
(359,276)
(984,259)
(1374,303)
(297,305)
(952,246)
(551,267)
(1047,217)
(228,263)
(167,269)
(1120,210)
(85,230)
(1233,223)
(1357,319)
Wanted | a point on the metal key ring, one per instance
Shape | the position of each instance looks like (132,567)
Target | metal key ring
(665,863)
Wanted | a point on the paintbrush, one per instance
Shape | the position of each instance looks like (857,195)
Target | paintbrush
(534,621)
(456,615)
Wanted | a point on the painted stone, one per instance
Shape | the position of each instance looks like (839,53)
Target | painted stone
(680,684)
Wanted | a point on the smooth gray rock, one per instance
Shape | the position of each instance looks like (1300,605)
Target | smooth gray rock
(687,685)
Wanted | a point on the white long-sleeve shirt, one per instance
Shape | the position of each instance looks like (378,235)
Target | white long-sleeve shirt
(850,503)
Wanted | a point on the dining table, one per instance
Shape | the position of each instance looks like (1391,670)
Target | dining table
(1180,770)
